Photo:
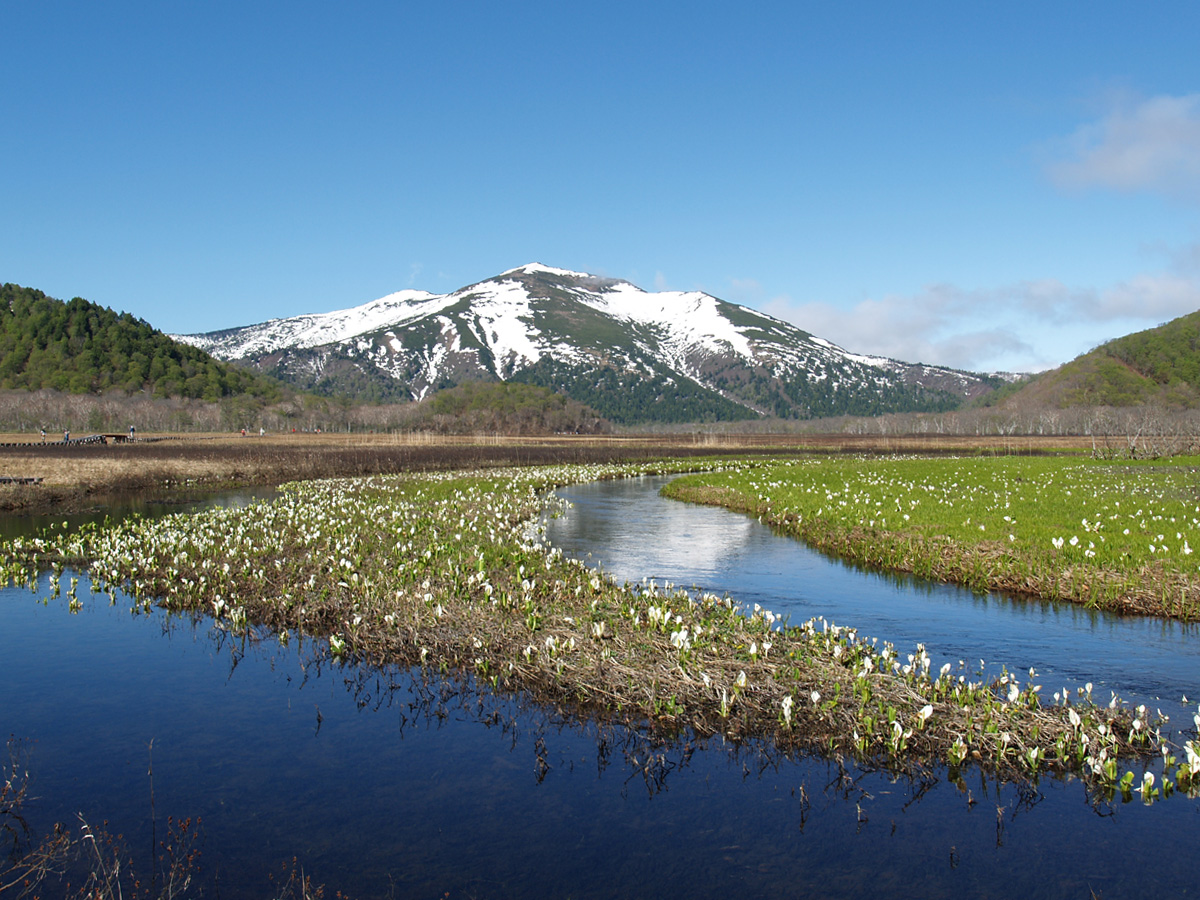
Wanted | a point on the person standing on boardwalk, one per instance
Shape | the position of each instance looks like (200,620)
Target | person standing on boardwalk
(43,435)
(131,430)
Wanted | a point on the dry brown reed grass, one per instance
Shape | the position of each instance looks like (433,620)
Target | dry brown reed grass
(78,475)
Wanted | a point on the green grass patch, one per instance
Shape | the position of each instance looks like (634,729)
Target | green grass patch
(1118,536)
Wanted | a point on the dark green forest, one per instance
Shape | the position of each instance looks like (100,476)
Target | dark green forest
(508,408)
(80,347)
(840,392)
(1169,354)
(633,398)
(341,378)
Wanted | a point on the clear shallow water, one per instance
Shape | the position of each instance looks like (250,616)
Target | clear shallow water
(383,786)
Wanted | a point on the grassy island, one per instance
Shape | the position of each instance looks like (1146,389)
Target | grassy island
(1110,535)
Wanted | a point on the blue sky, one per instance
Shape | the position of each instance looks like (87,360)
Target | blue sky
(995,186)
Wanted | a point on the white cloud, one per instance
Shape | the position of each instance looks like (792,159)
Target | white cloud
(660,282)
(1158,297)
(1186,261)
(1151,144)
(1026,326)
(934,326)
(1152,297)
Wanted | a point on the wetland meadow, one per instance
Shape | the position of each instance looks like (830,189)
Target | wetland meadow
(397,684)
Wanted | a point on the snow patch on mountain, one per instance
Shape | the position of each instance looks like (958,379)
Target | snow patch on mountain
(536,268)
(686,321)
(877,361)
(505,319)
(318,329)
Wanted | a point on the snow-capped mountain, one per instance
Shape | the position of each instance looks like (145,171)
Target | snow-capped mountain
(631,354)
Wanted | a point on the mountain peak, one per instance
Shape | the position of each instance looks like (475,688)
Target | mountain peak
(537,268)
(631,354)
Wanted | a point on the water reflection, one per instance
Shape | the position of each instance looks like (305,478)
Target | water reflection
(388,782)
(115,507)
(632,533)
(391,782)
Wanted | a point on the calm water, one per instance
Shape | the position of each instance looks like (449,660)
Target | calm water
(121,506)
(632,533)
(384,786)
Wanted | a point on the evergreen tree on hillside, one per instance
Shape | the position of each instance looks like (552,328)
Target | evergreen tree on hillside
(1158,367)
(506,407)
(1167,354)
(80,348)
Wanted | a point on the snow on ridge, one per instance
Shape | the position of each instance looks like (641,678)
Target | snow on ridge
(499,310)
(683,329)
(344,324)
(688,321)
(534,268)
(317,329)
(692,315)
(878,362)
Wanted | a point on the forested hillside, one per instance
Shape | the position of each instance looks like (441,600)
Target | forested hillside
(635,398)
(504,407)
(1157,367)
(80,347)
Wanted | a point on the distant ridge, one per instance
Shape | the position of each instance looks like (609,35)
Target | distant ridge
(633,356)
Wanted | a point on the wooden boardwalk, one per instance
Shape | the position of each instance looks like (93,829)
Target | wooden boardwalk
(74,442)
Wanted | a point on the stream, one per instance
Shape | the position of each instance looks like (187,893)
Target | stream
(398,783)
(630,532)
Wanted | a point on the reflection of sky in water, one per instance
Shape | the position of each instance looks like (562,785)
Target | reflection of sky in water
(640,536)
(633,534)
(379,796)
(115,507)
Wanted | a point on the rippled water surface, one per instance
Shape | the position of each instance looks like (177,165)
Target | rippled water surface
(383,784)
